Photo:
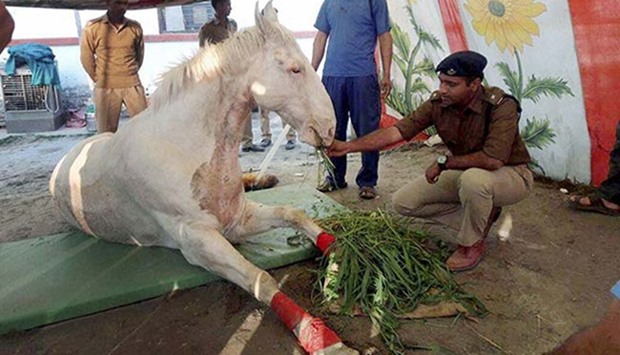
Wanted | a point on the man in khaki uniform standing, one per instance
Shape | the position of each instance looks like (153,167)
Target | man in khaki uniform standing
(487,167)
(215,31)
(111,52)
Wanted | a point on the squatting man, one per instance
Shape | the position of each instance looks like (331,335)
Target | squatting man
(487,167)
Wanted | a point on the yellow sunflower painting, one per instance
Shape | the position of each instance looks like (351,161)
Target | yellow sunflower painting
(507,22)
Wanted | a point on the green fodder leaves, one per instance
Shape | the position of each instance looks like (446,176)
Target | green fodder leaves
(382,268)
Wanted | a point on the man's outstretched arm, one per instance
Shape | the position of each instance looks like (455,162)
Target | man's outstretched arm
(371,142)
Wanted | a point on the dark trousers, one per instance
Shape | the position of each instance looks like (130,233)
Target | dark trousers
(358,98)
(610,188)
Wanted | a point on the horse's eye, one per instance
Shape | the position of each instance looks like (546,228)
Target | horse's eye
(296,70)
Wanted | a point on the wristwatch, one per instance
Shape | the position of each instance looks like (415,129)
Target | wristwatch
(441,161)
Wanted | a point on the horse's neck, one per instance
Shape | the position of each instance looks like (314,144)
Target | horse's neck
(210,116)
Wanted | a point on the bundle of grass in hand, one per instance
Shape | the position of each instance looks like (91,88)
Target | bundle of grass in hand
(325,165)
(380,268)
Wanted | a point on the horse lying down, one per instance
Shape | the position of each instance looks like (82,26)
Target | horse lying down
(171,177)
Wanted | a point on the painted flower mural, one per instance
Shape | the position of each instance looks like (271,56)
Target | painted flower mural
(413,65)
(509,23)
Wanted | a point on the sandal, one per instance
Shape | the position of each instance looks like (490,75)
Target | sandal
(596,205)
(367,193)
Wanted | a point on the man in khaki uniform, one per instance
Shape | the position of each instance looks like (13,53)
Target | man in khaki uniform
(215,31)
(111,52)
(487,167)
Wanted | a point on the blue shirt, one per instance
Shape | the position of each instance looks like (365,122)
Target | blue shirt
(352,27)
(616,290)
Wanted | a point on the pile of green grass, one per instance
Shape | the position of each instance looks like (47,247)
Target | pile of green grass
(381,267)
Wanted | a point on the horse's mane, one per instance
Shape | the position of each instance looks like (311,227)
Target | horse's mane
(226,58)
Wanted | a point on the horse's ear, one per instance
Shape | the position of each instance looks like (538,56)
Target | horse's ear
(270,12)
(265,17)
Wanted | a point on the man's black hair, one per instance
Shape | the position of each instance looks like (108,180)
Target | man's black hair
(214,3)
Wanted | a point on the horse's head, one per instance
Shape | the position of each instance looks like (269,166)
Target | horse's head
(284,81)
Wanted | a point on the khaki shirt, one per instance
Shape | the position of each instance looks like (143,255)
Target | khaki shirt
(465,132)
(112,57)
(216,31)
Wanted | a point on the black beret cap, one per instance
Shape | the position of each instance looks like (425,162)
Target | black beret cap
(465,63)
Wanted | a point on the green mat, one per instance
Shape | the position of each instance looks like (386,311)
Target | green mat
(63,276)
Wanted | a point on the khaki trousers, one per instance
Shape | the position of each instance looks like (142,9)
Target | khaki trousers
(464,199)
(266,129)
(108,104)
(248,137)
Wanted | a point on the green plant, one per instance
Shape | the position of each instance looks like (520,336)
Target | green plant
(414,68)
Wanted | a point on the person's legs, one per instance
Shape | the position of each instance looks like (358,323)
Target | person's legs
(247,141)
(610,188)
(438,202)
(336,88)
(465,201)
(265,127)
(292,134)
(107,109)
(480,190)
(607,200)
(365,106)
(134,99)
(291,137)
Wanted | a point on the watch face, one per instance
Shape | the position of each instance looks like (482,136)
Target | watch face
(442,159)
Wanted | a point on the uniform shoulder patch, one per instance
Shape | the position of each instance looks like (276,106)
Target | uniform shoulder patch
(494,95)
(94,21)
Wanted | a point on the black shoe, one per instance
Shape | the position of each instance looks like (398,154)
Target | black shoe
(265,142)
(328,186)
(253,148)
(290,145)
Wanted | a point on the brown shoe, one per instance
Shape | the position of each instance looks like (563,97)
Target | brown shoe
(466,258)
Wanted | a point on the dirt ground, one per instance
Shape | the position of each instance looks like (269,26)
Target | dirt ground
(550,278)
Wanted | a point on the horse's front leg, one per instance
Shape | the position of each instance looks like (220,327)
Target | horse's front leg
(258,218)
(205,246)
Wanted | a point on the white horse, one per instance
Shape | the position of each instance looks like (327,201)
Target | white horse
(171,176)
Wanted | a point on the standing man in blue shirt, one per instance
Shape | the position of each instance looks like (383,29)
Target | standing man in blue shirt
(350,77)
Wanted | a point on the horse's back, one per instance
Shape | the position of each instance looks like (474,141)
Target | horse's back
(90,185)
